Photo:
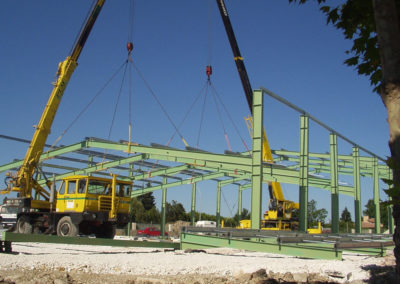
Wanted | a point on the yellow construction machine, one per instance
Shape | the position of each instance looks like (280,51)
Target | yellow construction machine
(83,204)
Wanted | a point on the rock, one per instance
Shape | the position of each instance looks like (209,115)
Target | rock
(300,277)
(258,274)
(194,250)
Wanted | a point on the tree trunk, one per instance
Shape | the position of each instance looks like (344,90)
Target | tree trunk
(388,30)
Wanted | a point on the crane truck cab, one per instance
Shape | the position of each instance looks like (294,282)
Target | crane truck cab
(84,205)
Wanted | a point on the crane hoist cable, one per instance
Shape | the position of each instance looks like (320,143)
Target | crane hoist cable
(130,49)
(230,118)
(117,102)
(188,111)
(159,103)
(85,108)
(222,121)
(202,114)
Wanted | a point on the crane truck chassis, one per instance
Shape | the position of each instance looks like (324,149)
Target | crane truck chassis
(83,205)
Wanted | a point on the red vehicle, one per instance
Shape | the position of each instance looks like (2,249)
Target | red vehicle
(151,232)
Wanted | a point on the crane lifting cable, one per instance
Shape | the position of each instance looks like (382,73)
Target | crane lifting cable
(153,94)
(86,107)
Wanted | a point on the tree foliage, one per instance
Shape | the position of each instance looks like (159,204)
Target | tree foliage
(147,200)
(315,215)
(346,216)
(383,208)
(355,18)
(175,211)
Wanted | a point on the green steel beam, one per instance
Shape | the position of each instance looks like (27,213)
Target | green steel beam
(139,192)
(240,202)
(46,155)
(303,173)
(161,172)
(257,166)
(377,197)
(304,250)
(101,167)
(357,189)
(218,213)
(183,156)
(41,238)
(334,184)
(164,208)
(193,209)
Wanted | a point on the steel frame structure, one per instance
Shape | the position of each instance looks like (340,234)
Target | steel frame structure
(157,167)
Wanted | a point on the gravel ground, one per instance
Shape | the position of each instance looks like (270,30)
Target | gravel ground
(59,263)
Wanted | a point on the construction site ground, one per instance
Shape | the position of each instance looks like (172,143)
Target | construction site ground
(60,263)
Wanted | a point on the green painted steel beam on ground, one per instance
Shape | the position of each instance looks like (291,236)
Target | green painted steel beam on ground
(38,238)
(317,251)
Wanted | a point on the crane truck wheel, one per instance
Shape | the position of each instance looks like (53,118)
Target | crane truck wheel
(23,225)
(65,227)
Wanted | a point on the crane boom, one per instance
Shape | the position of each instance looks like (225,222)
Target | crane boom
(275,188)
(24,182)
(248,90)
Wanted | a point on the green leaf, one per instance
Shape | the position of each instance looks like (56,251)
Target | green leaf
(388,181)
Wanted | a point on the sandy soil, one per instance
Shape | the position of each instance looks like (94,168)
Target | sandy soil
(57,263)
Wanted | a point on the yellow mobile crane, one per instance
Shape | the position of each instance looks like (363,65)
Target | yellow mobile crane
(83,204)
(280,213)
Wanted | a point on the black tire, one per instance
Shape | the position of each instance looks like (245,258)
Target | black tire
(23,225)
(106,231)
(65,227)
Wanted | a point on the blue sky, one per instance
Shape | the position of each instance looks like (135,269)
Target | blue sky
(288,49)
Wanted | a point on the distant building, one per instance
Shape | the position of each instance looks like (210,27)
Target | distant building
(368,225)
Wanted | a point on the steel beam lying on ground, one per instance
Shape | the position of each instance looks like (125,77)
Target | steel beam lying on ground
(327,246)
(39,238)
(306,250)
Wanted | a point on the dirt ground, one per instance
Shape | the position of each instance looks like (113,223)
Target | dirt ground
(37,275)
(58,264)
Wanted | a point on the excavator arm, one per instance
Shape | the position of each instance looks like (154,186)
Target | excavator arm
(275,188)
(24,182)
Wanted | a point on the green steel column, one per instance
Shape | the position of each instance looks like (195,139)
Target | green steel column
(376,197)
(91,163)
(256,192)
(193,210)
(240,202)
(163,209)
(131,167)
(303,174)
(334,184)
(390,209)
(390,219)
(219,189)
(357,188)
